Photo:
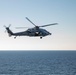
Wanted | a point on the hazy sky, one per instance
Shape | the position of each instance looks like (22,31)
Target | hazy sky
(40,12)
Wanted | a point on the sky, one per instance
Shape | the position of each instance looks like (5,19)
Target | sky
(41,12)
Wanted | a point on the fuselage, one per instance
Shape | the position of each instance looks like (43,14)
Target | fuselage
(33,32)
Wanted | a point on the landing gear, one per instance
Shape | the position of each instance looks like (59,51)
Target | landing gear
(40,37)
(15,37)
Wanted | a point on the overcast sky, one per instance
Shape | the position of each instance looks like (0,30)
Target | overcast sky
(41,12)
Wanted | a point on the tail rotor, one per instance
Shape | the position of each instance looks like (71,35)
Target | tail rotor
(8,30)
(7,27)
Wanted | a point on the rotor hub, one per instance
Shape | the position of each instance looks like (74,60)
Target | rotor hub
(37,27)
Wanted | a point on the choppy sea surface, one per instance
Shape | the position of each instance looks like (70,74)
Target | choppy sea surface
(37,62)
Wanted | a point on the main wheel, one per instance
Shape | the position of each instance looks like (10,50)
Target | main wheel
(40,37)
(15,37)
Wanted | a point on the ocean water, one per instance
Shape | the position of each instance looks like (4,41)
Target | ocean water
(37,62)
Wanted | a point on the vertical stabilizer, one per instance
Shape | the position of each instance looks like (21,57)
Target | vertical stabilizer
(9,31)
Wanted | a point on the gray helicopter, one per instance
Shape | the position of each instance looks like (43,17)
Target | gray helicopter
(36,31)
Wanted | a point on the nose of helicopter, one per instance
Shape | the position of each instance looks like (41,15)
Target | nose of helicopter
(50,33)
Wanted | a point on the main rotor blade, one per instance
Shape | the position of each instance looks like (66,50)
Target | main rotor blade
(48,25)
(30,21)
(21,27)
(9,25)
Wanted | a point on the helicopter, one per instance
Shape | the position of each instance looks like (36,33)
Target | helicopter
(35,31)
